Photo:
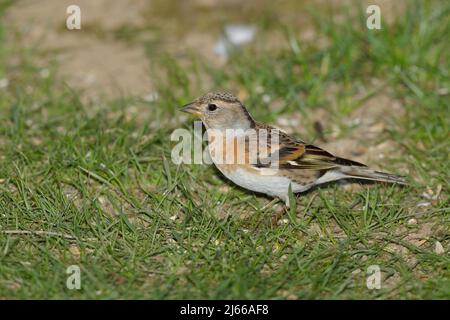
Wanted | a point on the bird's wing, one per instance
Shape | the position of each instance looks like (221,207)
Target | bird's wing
(295,154)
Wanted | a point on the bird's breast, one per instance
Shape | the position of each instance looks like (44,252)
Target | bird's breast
(266,181)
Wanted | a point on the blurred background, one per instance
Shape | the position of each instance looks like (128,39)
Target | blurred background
(117,50)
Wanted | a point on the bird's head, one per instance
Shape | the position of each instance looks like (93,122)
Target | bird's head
(219,110)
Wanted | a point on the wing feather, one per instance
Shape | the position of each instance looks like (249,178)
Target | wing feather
(294,154)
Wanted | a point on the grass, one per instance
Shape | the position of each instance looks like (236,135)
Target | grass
(145,228)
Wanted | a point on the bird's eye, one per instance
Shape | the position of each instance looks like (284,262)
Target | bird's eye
(212,107)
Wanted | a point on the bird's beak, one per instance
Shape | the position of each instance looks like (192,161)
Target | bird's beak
(192,108)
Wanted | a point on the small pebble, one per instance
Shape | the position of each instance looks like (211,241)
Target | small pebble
(283,121)
(4,83)
(438,248)
(266,98)
(74,250)
(44,73)
(356,271)
(151,97)
(423,204)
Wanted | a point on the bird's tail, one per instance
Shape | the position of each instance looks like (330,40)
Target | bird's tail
(369,174)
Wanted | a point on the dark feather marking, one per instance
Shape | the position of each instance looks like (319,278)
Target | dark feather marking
(249,117)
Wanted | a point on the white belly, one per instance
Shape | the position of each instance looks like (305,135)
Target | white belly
(272,185)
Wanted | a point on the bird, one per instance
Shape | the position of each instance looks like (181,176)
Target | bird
(298,167)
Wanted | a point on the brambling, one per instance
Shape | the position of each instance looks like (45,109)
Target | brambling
(298,165)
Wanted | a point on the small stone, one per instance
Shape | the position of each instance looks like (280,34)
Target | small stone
(44,73)
(438,248)
(438,192)
(412,221)
(4,83)
(259,89)
(151,97)
(443,91)
(423,204)
(356,271)
(74,250)
(101,199)
(426,195)
(283,121)
(266,98)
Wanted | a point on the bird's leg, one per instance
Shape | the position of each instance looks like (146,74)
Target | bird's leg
(278,214)
(276,217)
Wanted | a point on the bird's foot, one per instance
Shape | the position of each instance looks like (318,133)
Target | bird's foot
(277,216)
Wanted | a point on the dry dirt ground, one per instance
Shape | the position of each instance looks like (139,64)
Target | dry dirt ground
(84,61)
